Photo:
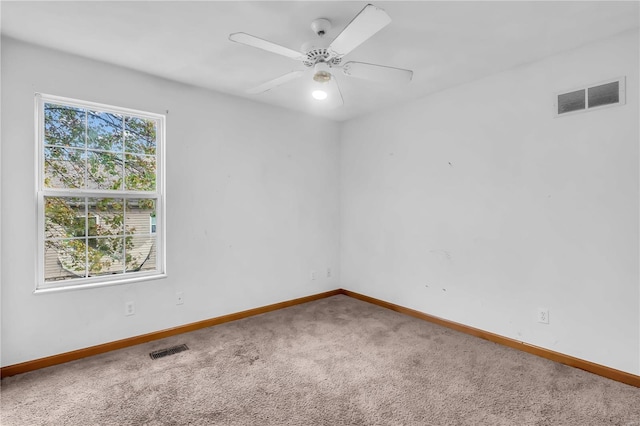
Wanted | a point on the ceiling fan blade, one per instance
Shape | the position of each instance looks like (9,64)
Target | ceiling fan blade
(335,94)
(275,82)
(254,41)
(378,73)
(369,21)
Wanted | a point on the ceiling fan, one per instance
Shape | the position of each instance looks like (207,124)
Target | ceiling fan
(324,59)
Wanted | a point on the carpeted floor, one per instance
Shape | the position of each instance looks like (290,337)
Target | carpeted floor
(336,361)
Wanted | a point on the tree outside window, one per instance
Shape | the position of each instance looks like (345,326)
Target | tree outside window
(99,186)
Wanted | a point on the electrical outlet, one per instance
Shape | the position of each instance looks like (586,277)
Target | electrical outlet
(179,297)
(129,308)
(543,315)
(313,275)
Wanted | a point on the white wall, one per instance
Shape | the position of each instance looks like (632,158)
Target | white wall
(476,205)
(476,192)
(252,206)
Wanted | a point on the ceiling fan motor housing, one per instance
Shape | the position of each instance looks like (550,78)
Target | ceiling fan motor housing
(317,55)
(317,51)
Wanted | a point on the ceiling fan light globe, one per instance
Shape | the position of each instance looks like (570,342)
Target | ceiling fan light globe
(322,76)
(319,95)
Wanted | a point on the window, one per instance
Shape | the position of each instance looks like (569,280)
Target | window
(100,181)
(152,222)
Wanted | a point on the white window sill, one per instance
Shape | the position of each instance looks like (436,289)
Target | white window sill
(96,284)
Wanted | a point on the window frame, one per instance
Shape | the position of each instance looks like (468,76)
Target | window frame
(41,192)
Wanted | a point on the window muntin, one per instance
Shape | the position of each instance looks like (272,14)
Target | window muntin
(99,182)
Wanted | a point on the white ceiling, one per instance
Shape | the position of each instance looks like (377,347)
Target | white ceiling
(444,43)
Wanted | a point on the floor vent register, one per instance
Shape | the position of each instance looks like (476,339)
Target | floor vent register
(168,351)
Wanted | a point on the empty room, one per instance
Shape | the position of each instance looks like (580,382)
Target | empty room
(320,213)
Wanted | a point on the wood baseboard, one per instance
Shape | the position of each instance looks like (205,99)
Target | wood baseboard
(136,340)
(600,370)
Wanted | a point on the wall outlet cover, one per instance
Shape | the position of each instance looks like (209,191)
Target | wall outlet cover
(129,308)
(543,315)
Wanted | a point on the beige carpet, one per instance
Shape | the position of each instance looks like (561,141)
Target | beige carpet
(336,361)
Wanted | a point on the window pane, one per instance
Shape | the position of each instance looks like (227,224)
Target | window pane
(64,217)
(107,215)
(64,259)
(53,269)
(104,170)
(141,253)
(137,215)
(140,136)
(105,256)
(64,125)
(64,167)
(104,131)
(140,173)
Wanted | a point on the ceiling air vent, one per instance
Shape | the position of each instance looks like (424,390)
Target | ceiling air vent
(607,93)
(572,101)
